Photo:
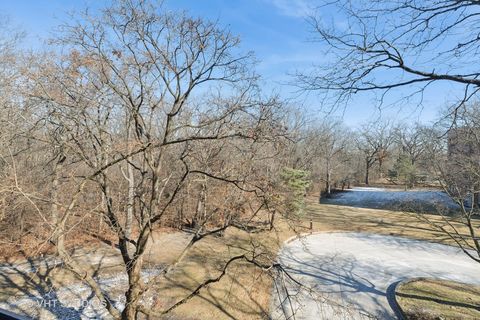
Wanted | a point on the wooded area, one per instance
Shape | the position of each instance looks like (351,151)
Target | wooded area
(136,119)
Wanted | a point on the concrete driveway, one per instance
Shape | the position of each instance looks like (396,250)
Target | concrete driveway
(351,275)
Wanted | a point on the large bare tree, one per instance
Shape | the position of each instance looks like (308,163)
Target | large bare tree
(458,169)
(142,118)
(380,46)
(373,141)
(326,150)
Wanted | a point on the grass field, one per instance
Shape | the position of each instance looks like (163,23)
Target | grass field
(342,218)
(428,299)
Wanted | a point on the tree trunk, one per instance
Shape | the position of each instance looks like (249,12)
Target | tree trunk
(58,236)
(328,186)
(204,200)
(130,201)
(133,294)
(476,199)
(272,220)
(380,168)
(367,172)
(201,210)
(134,268)
(131,187)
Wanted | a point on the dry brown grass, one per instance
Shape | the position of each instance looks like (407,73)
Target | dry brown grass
(406,224)
(244,293)
(427,299)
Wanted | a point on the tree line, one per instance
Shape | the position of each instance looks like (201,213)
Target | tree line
(135,118)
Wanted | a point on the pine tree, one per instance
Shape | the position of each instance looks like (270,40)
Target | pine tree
(296,183)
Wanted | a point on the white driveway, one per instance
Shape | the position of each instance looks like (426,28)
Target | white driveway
(351,274)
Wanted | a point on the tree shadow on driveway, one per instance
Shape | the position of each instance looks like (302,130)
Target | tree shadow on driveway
(356,270)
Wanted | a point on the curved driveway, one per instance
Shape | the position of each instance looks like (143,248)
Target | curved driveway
(350,275)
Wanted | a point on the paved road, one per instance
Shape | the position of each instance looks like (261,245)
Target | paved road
(350,274)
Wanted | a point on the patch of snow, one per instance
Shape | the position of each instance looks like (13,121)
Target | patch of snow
(377,198)
(367,189)
(76,301)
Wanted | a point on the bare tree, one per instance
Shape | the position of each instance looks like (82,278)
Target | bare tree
(410,144)
(411,140)
(12,124)
(456,158)
(327,144)
(380,46)
(141,107)
(374,141)
(403,47)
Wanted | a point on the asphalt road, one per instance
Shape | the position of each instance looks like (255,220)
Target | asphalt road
(351,275)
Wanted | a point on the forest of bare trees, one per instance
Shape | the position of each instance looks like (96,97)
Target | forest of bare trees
(135,118)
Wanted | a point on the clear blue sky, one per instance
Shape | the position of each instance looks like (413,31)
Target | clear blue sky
(276,30)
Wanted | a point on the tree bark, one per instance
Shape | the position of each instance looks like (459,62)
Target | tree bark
(134,292)
(476,199)
(272,220)
(55,216)
(367,172)
(131,200)
(380,167)
(201,210)
(328,186)
(134,268)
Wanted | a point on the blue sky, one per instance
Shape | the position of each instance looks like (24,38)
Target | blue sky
(276,30)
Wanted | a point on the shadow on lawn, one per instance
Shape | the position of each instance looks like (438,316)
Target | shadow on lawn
(439,301)
(236,296)
(336,217)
